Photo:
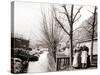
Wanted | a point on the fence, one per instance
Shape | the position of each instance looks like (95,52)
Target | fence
(63,62)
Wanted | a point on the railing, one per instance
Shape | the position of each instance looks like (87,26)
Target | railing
(62,65)
(63,62)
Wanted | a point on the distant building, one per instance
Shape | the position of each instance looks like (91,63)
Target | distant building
(19,43)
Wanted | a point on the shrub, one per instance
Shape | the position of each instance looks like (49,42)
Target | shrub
(21,53)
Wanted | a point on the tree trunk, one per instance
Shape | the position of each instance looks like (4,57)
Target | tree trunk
(91,57)
(92,38)
(71,37)
(71,47)
(54,55)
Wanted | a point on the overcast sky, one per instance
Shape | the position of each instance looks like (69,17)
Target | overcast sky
(27,18)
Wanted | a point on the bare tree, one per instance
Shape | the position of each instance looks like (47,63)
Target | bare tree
(51,32)
(72,18)
(91,30)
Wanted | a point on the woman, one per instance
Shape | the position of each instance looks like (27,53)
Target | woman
(76,57)
(84,56)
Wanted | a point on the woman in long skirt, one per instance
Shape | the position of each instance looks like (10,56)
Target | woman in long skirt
(84,56)
(76,58)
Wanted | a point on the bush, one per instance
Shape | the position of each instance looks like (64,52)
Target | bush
(33,58)
(21,53)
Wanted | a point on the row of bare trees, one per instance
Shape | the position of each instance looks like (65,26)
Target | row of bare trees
(71,18)
(52,26)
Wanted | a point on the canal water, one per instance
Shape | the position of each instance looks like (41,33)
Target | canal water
(39,66)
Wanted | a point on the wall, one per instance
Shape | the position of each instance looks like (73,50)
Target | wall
(88,44)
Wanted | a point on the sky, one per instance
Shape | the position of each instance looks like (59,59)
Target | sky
(27,18)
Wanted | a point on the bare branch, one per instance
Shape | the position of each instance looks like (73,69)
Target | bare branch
(90,11)
(62,13)
(61,25)
(67,14)
(87,30)
(90,24)
(77,19)
(77,13)
(72,8)
(77,29)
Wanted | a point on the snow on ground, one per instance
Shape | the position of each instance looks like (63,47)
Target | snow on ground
(39,66)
